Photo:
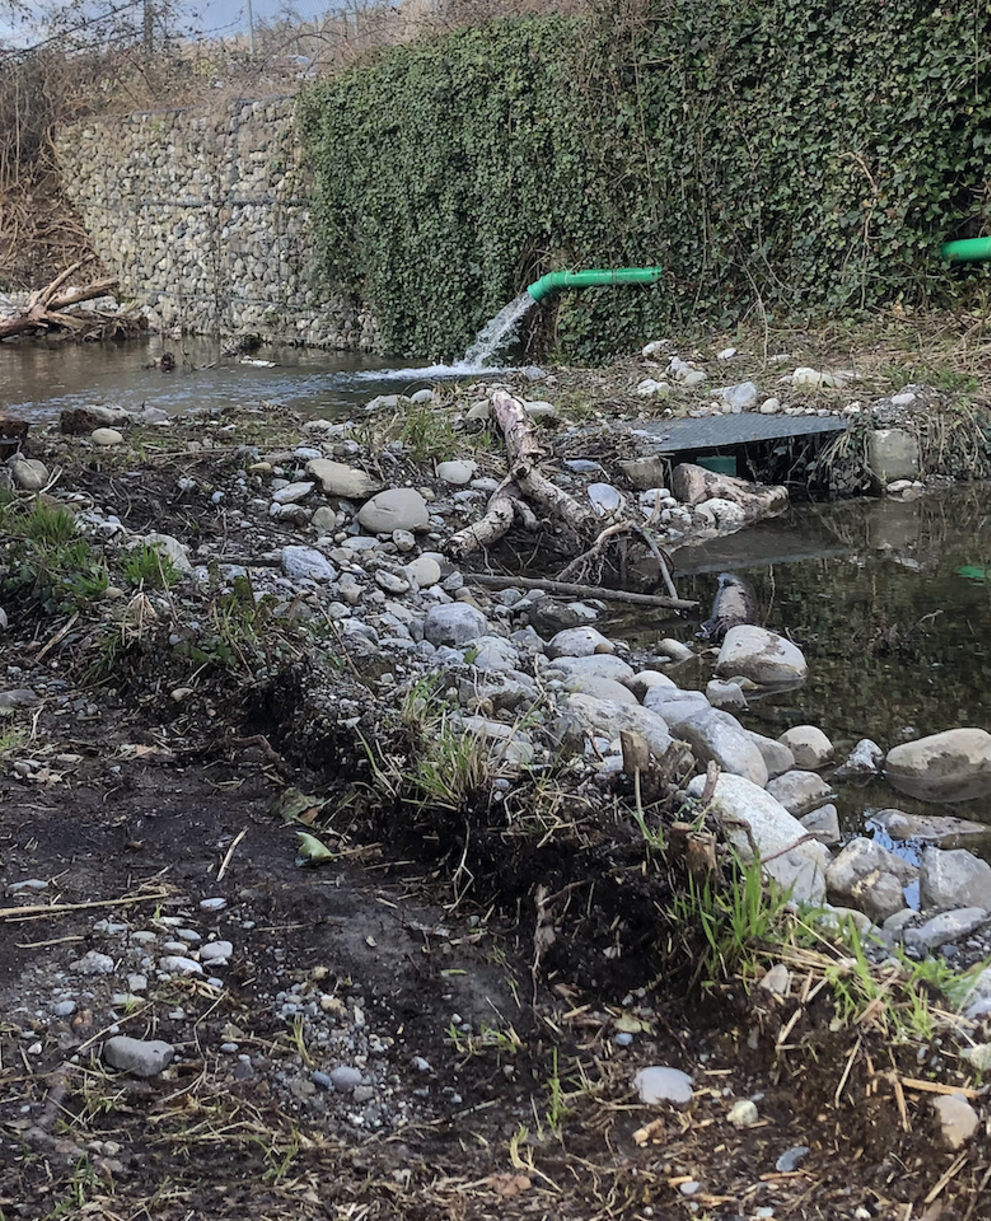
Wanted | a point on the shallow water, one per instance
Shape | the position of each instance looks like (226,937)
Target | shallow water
(898,642)
(38,380)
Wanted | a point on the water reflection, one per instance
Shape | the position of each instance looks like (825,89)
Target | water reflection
(38,380)
(898,642)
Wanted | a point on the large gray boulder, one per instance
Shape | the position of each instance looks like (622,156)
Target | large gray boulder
(598,665)
(809,745)
(579,642)
(938,830)
(953,879)
(719,736)
(607,719)
(455,624)
(762,656)
(674,705)
(951,766)
(798,864)
(778,759)
(869,878)
(799,791)
(600,688)
(395,509)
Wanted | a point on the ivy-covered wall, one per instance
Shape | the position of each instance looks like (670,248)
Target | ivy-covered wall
(785,156)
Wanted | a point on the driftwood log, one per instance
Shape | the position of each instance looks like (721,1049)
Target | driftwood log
(527,495)
(46,308)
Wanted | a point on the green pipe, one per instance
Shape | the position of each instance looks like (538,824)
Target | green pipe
(971,250)
(588,279)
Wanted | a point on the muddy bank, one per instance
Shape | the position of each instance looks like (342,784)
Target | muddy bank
(227,631)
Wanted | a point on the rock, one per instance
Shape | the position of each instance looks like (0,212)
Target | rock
(790,1159)
(809,745)
(29,474)
(650,386)
(743,1114)
(860,858)
(951,766)
(457,473)
(507,746)
(762,656)
(778,759)
(642,474)
(93,963)
(892,454)
(726,696)
(579,642)
(175,552)
(139,1057)
(106,437)
(801,865)
(799,791)
(675,706)
(674,649)
(324,520)
(293,493)
(719,736)
(607,719)
(339,479)
(957,1119)
(345,1079)
(394,509)
(600,688)
(423,572)
(946,927)
(863,761)
(777,980)
(597,665)
(740,397)
(824,824)
(661,1084)
(694,484)
(213,951)
(978,1056)
(455,624)
(306,564)
(770,406)
(940,832)
(952,879)
(493,655)
(606,500)
(179,964)
(390,582)
(645,680)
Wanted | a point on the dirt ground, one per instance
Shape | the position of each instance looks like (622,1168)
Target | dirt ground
(496,1029)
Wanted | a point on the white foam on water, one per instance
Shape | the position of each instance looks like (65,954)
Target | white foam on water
(494,336)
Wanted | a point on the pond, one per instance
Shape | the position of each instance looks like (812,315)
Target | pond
(897,639)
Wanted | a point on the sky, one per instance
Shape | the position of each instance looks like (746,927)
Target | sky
(23,23)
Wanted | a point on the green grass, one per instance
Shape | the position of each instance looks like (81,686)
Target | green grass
(147,567)
(737,918)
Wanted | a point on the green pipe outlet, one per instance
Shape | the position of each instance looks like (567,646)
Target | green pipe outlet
(589,279)
(970,250)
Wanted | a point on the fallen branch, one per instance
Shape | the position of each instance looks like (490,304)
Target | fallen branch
(45,309)
(569,590)
(504,507)
(58,909)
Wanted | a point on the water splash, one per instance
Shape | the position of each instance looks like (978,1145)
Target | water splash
(498,332)
(480,357)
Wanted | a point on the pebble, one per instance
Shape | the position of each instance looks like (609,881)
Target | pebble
(662,1084)
(789,1160)
(213,905)
(743,1114)
(345,1079)
(141,1058)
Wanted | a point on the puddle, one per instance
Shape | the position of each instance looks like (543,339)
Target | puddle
(898,642)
